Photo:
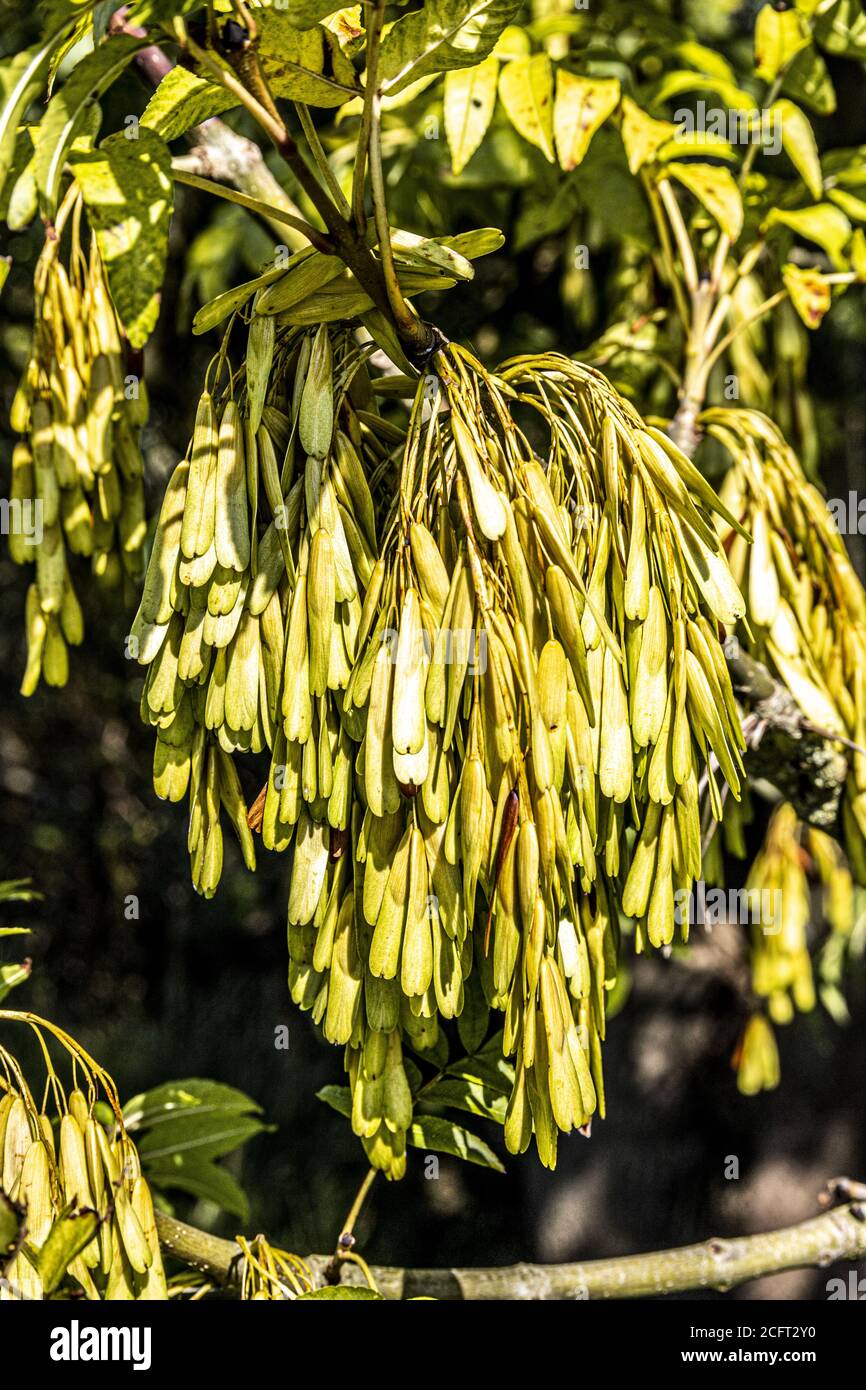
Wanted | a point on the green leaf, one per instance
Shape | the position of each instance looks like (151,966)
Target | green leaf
(201,1179)
(798,141)
(14,931)
(469,100)
(779,36)
(11,1218)
(642,135)
(294,61)
(807,81)
(12,975)
(344,1291)
(850,204)
(304,14)
(183,100)
(473,1022)
(68,1236)
(582,105)
(544,213)
(22,78)
(68,107)
(824,224)
(841,29)
(809,291)
(163,11)
(462,1093)
(704,59)
(338,1097)
(434,1134)
(488,1066)
(18,890)
(673,84)
(128,191)
(526,92)
(203,1136)
(716,189)
(193,1095)
(443,34)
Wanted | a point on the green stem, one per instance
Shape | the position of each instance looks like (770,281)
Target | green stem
(322,162)
(374,36)
(233,195)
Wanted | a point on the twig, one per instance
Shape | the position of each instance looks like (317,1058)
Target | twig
(346,1238)
(322,162)
(718,1263)
(316,238)
(220,151)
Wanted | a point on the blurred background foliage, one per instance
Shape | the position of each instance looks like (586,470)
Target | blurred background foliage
(159,984)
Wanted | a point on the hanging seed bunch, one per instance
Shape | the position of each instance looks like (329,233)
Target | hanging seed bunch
(484,657)
(78,466)
(505,749)
(86,1211)
(806,606)
(794,854)
(757,1057)
(226,581)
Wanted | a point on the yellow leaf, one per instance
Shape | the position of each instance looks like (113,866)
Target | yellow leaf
(526,89)
(470,96)
(809,291)
(779,35)
(716,189)
(798,141)
(642,135)
(582,104)
(823,223)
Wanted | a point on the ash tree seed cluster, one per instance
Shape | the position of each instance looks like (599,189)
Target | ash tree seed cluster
(79,462)
(482,648)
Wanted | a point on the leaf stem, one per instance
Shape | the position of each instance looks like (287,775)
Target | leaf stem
(374,38)
(233,195)
(322,162)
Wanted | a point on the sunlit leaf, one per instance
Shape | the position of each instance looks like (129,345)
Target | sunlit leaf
(69,1235)
(824,224)
(128,191)
(808,82)
(469,100)
(183,100)
(434,1134)
(716,188)
(69,105)
(809,291)
(582,104)
(526,91)
(798,140)
(642,135)
(305,65)
(463,1093)
(841,29)
(443,34)
(779,36)
(673,84)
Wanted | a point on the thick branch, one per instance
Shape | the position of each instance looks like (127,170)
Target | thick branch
(803,764)
(717,1263)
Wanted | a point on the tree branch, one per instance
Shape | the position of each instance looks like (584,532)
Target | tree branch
(801,762)
(222,153)
(717,1263)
